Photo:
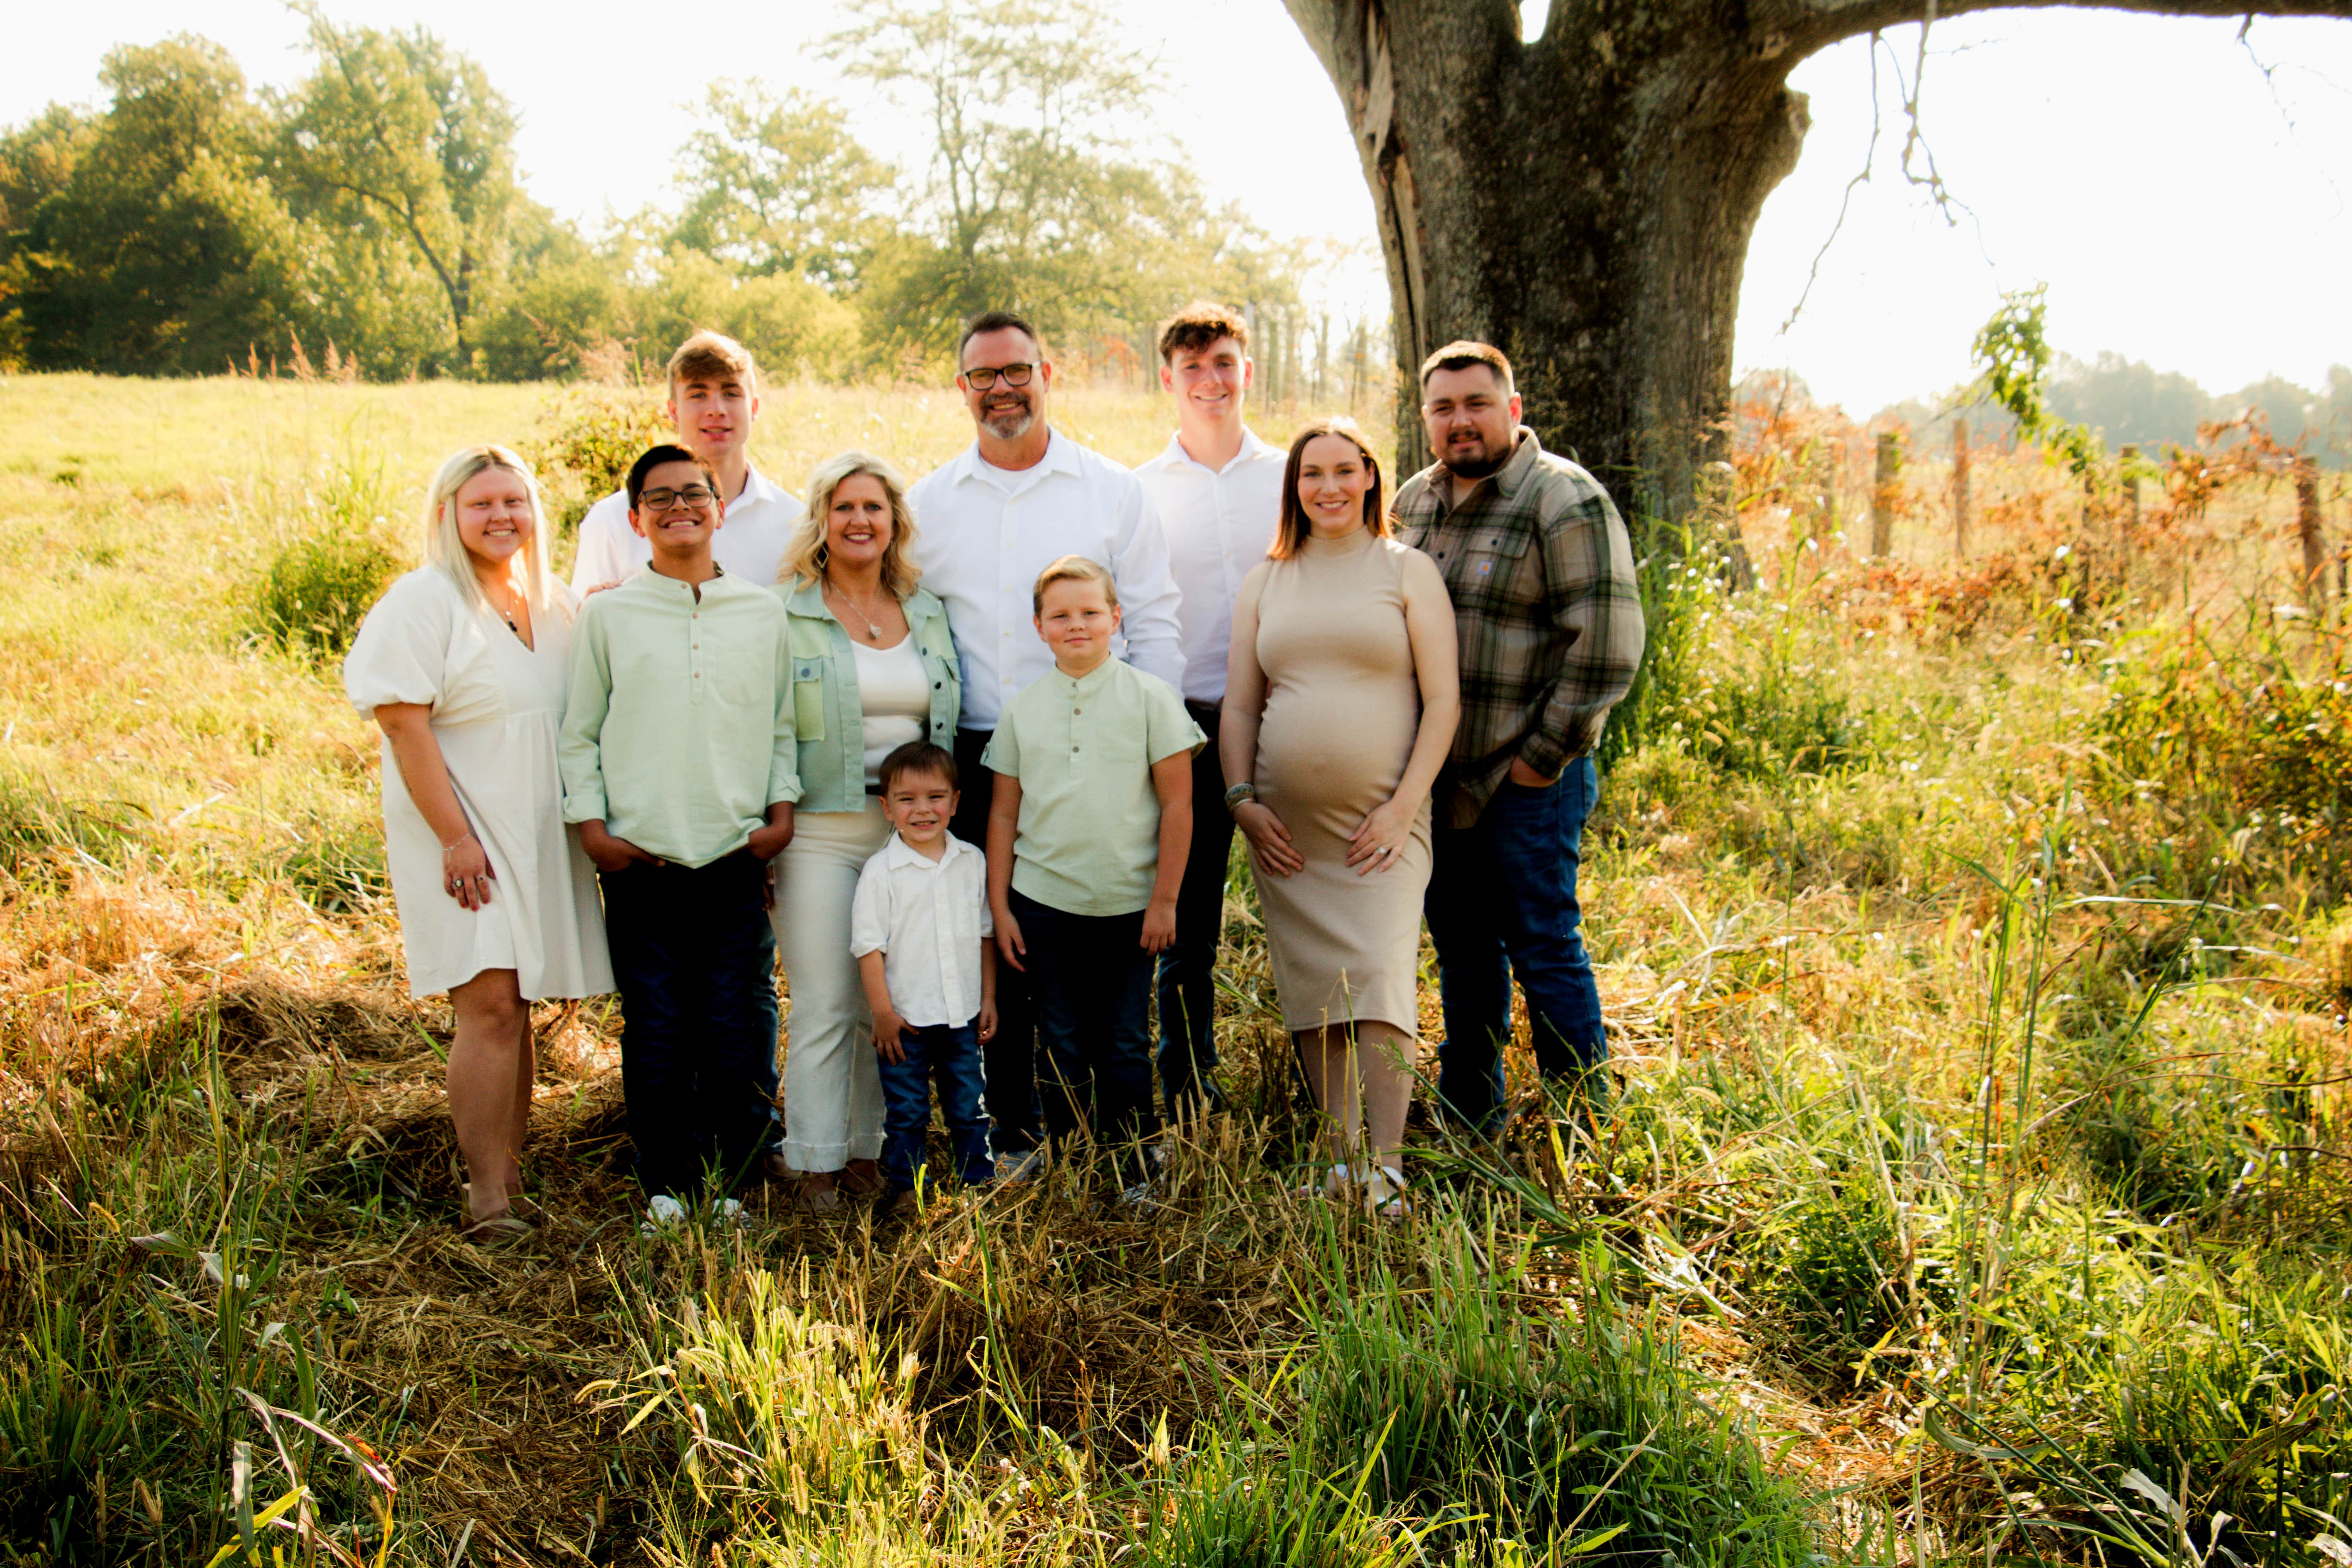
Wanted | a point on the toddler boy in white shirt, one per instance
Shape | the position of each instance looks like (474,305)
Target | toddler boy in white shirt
(920,927)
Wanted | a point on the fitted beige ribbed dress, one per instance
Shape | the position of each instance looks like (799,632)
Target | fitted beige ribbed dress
(1342,707)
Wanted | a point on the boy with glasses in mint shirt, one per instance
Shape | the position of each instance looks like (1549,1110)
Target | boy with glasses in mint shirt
(680,768)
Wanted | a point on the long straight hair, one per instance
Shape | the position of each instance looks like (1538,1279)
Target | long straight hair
(1290,534)
(445,546)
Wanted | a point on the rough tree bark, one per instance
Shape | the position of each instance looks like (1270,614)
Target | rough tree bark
(1584,199)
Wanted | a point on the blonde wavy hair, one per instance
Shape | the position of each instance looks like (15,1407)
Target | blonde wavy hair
(805,554)
(445,546)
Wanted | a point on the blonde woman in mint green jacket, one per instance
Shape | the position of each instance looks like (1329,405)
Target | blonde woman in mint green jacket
(873,667)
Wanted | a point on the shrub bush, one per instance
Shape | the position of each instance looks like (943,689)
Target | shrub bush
(586,439)
(316,590)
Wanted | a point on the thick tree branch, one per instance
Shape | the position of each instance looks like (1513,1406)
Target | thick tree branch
(1811,24)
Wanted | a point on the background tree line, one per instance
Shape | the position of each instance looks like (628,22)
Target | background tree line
(2122,401)
(192,224)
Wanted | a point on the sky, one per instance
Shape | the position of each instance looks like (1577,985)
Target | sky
(2180,190)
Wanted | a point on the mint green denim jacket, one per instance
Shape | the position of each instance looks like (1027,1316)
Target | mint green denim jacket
(827,717)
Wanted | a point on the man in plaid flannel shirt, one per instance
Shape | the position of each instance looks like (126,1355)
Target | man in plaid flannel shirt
(1541,574)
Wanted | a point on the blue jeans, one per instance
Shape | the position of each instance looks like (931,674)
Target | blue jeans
(1187,978)
(695,959)
(1502,901)
(1092,981)
(947,1055)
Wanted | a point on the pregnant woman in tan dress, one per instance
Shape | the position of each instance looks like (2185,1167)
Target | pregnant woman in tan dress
(1339,704)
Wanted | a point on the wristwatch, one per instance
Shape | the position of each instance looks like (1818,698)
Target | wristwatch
(1236,794)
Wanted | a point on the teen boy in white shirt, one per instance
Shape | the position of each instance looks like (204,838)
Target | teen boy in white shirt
(714,399)
(1218,492)
(1021,497)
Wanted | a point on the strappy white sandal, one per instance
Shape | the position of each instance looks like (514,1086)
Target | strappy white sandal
(1385,1194)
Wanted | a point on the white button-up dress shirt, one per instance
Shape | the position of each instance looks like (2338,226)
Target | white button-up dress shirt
(1218,524)
(748,543)
(926,918)
(982,535)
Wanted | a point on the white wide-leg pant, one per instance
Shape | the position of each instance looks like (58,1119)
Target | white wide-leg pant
(832,1092)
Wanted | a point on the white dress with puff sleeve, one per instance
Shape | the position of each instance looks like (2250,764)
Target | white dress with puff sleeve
(496,707)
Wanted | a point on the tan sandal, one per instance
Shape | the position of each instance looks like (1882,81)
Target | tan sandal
(498,1230)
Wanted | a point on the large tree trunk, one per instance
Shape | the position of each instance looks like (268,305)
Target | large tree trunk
(1584,200)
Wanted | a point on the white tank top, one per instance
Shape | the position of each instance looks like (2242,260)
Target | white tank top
(896,695)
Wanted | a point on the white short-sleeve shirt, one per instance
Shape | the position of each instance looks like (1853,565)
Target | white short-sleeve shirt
(926,918)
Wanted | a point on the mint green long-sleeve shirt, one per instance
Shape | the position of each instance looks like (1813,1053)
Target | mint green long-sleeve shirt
(678,731)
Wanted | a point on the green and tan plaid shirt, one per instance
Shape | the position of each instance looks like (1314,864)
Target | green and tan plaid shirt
(1541,574)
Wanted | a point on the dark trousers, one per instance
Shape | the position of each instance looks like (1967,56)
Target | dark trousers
(948,1055)
(1187,978)
(1502,901)
(1092,982)
(695,959)
(1011,1059)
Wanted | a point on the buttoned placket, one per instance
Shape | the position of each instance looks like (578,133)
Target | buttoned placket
(694,639)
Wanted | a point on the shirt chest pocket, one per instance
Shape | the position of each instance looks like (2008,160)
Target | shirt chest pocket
(808,697)
(1491,559)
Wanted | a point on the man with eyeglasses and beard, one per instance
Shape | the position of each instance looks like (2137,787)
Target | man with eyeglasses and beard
(1021,497)
(1540,572)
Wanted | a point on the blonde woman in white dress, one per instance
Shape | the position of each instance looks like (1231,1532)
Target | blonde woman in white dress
(464,664)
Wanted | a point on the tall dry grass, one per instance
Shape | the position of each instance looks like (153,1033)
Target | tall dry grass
(1976,1188)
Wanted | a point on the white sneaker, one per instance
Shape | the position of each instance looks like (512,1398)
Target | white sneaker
(663,1214)
(730,1212)
(1015,1169)
(1333,1184)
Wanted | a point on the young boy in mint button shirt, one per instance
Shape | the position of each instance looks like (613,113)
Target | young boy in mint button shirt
(679,763)
(1087,833)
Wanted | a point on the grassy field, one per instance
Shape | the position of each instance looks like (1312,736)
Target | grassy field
(1976,941)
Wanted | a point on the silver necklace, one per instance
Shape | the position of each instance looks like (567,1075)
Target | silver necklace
(873,627)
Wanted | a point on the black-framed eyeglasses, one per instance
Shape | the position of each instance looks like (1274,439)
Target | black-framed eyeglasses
(697,496)
(981,377)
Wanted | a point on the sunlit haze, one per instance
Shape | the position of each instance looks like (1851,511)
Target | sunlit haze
(2181,191)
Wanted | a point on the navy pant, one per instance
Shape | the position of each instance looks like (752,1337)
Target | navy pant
(695,959)
(1187,978)
(1011,1057)
(1502,901)
(948,1055)
(1092,981)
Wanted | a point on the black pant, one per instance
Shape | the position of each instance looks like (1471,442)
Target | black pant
(695,959)
(1092,981)
(1011,1059)
(1187,980)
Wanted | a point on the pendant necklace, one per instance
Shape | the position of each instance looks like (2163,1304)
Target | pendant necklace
(873,628)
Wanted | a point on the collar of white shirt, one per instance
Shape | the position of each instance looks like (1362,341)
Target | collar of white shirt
(1061,458)
(1252,450)
(902,853)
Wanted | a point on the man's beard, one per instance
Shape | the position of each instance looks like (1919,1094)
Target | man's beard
(1487,463)
(1011,424)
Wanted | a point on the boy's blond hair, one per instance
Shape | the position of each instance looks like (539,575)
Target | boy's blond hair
(712,356)
(1072,569)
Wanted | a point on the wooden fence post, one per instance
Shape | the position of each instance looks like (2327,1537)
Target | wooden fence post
(1882,495)
(1960,489)
(2315,541)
